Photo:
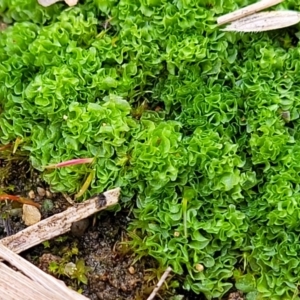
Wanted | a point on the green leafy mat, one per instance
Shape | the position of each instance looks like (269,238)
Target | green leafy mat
(198,127)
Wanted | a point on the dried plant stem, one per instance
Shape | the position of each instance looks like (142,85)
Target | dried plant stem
(160,283)
(56,287)
(246,11)
(59,223)
(265,21)
(69,199)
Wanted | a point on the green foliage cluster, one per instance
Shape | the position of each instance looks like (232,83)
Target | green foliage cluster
(200,129)
(63,266)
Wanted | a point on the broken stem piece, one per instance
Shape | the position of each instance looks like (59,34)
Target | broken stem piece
(264,21)
(59,223)
(47,3)
(160,283)
(246,11)
(69,199)
(56,287)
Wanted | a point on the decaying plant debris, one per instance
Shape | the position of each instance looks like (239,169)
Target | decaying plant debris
(249,19)
(47,3)
(59,223)
(264,21)
(246,11)
(47,287)
(38,233)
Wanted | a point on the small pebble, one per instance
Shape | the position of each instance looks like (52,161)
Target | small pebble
(100,295)
(41,191)
(123,287)
(131,270)
(78,228)
(48,194)
(31,194)
(31,214)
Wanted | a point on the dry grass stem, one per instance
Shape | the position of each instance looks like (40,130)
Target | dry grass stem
(246,11)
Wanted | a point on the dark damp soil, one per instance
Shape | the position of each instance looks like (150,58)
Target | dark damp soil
(110,272)
(106,268)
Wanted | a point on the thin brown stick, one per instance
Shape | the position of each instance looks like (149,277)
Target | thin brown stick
(69,199)
(160,283)
(246,11)
(59,223)
(264,21)
(47,3)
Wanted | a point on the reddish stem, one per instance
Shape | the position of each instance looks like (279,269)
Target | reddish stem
(71,162)
(5,147)
(19,199)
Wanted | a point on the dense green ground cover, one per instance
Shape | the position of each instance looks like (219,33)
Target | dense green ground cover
(198,127)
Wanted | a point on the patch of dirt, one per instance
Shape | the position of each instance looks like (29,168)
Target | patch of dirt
(236,296)
(112,275)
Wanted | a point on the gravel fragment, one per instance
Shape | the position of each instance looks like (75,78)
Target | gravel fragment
(49,194)
(31,214)
(131,270)
(31,194)
(41,191)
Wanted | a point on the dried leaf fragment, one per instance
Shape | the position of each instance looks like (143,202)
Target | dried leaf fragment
(265,21)
(71,2)
(47,3)
(246,11)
